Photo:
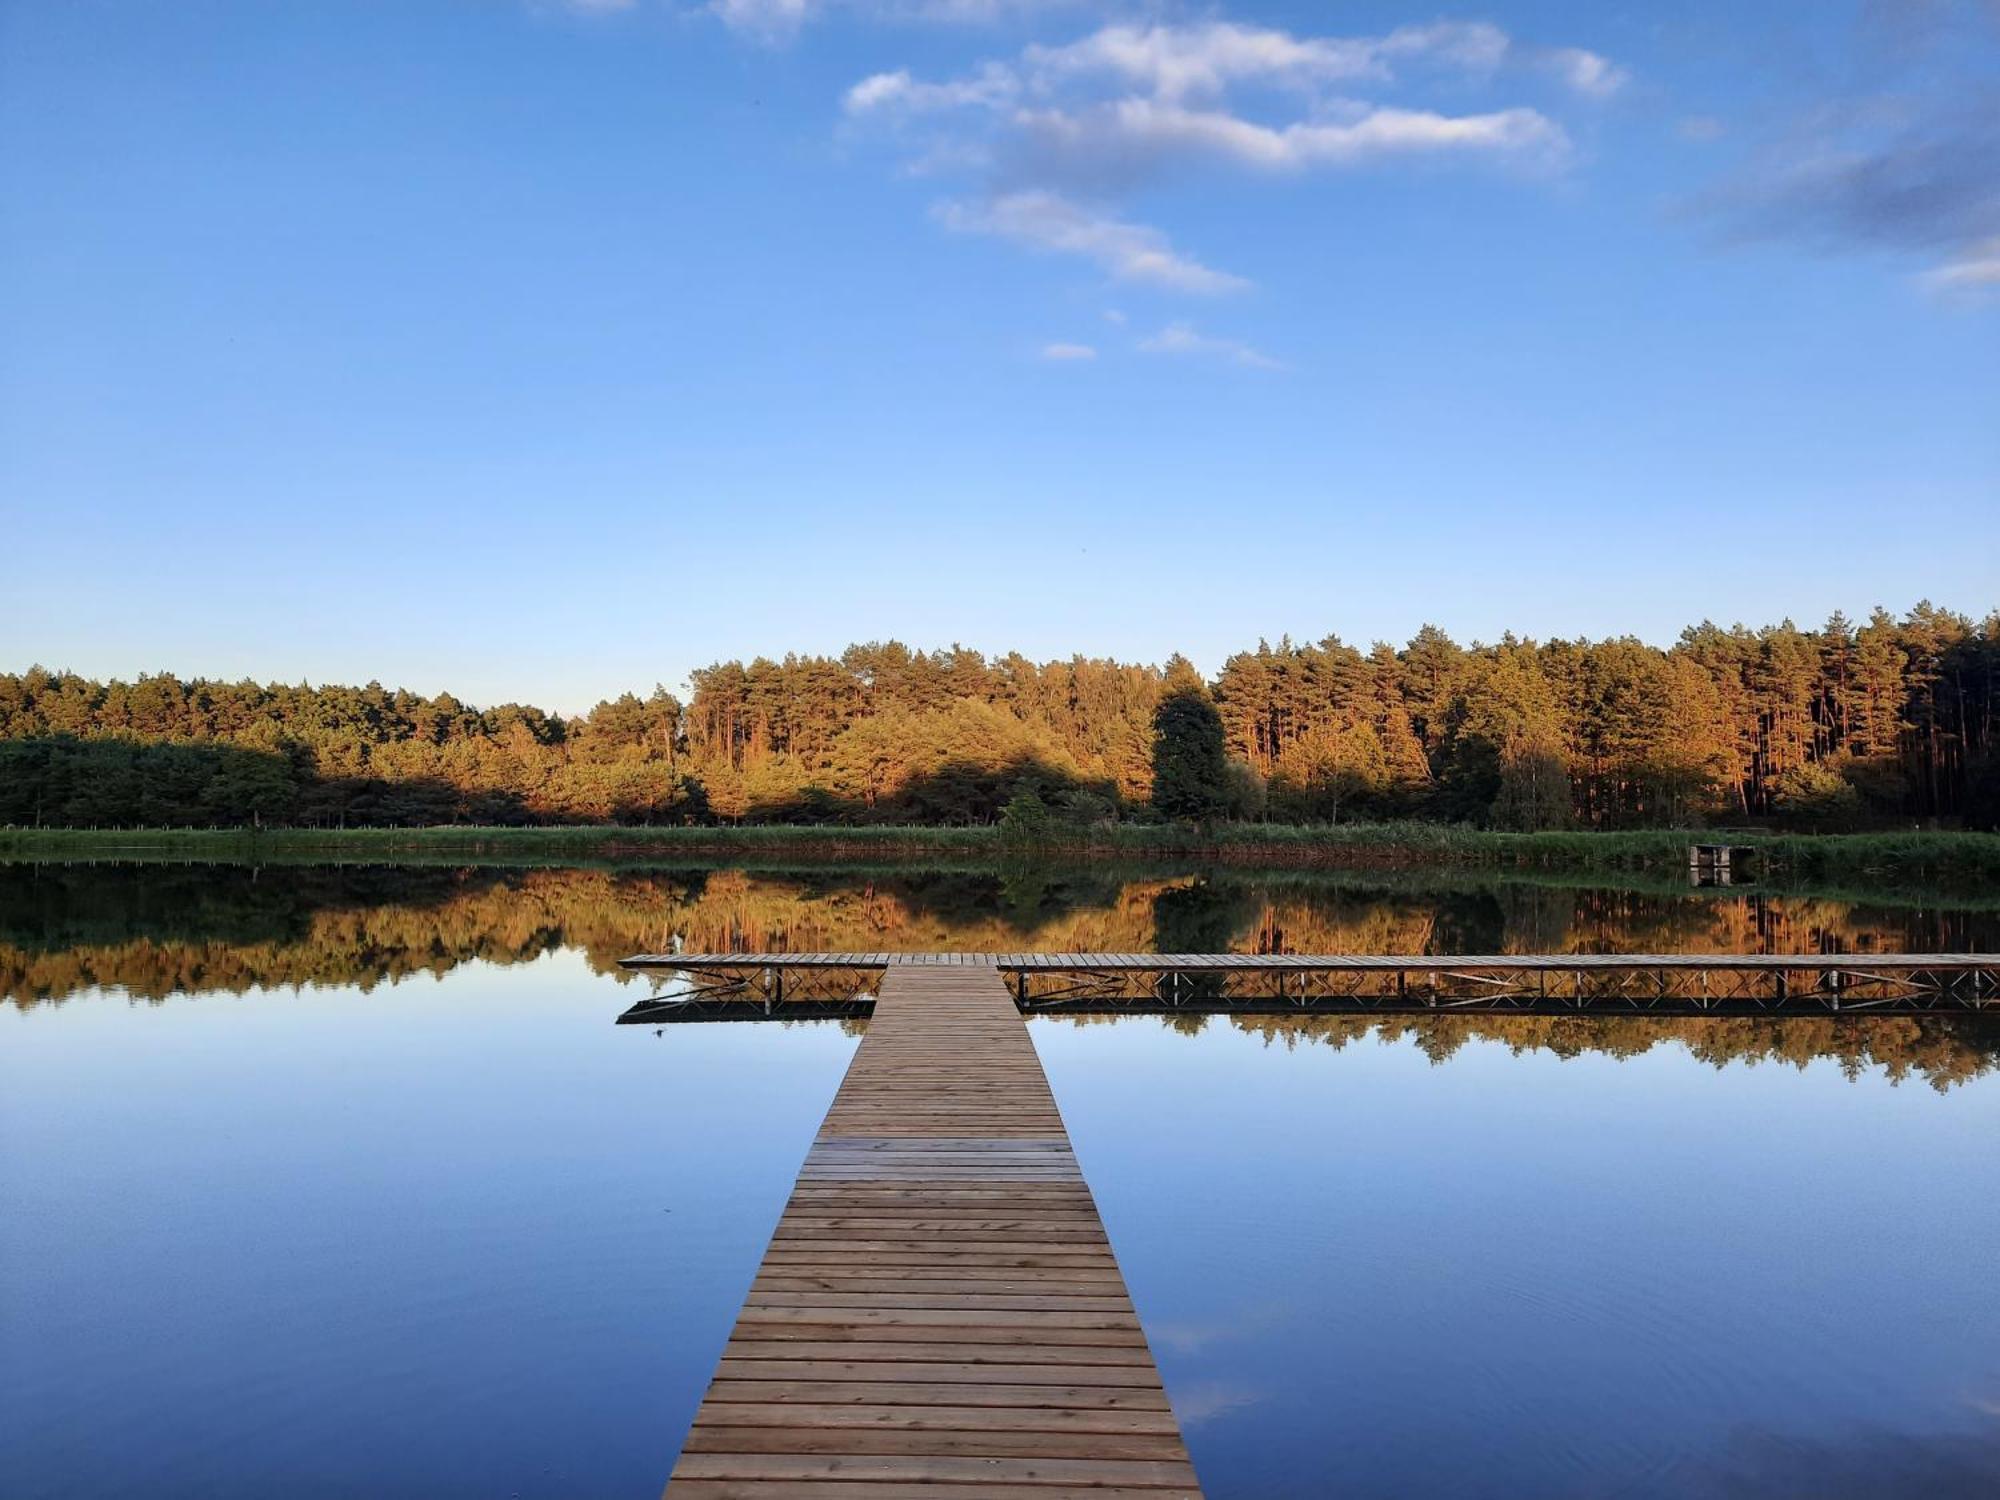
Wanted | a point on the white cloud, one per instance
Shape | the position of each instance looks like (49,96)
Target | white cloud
(879,90)
(991,87)
(1068,353)
(1202,60)
(1049,221)
(1135,130)
(1479,48)
(1174,62)
(771,19)
(1126,100)
(1475,46)
(1181,338)
(1056,126)
(776,20)
(1590,74)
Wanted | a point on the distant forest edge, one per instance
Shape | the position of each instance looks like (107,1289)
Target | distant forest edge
(1844,727)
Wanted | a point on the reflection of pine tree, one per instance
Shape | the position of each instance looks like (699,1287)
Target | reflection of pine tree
(1203,916)
(1943,1051)
(159,930)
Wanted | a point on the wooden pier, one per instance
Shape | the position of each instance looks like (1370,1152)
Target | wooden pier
(748,986)
(939,1313)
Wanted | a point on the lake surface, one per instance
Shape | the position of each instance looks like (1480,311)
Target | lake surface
(339,1181)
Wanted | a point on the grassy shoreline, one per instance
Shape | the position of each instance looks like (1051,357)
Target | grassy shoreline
(1944,859)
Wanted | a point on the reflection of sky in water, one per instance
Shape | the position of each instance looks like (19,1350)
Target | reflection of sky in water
(1515,1274)
(466,1237)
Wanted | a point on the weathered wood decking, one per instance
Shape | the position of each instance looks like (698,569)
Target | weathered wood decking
(1105,963)
(726,985)
(939,1313)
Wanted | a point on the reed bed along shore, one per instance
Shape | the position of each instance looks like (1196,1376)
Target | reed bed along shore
(1857,859)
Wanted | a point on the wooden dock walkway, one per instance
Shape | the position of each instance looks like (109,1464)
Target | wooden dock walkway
(748,985)
(939,1313)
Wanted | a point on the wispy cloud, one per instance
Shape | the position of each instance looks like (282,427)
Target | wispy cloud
(1884,173)
(1135,134)
(1048,221)
(1068,353)
(770,19)
(1178,62)
(1142,93)
(1182,339)
(1975,269)
(1204,1403)
(1588,73)
(778,20)
(1202,60)
(991,87)
(1473,46)
(1056,127)
(1906,165)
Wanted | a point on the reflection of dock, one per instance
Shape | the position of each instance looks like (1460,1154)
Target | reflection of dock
(729,986)
(939,1311)
(1719,864)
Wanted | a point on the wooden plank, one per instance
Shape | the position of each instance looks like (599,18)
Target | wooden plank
(936,1468)
(971,1442)
(785,1489)
(930,1393)
(1112,962)
(931,1418)
(939,1312)
(891,1351)
(804,1237)
(1122,1377)
(841,1331)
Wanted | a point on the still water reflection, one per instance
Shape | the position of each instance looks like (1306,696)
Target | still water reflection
(342,1182)
(162,929)
(1521,1273)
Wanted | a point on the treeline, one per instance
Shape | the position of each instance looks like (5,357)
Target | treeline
(161,752)
(1843,726)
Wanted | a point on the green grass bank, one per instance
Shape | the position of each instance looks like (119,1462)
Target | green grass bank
(1860,860)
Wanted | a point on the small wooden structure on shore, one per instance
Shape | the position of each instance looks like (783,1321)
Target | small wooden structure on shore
(1719,864)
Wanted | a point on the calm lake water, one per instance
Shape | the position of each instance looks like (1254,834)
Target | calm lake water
(341,1181)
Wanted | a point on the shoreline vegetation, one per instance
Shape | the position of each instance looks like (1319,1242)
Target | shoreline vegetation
(1848,728)
(1938,859)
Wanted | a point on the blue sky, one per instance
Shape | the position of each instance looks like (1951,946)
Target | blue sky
(540,350)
